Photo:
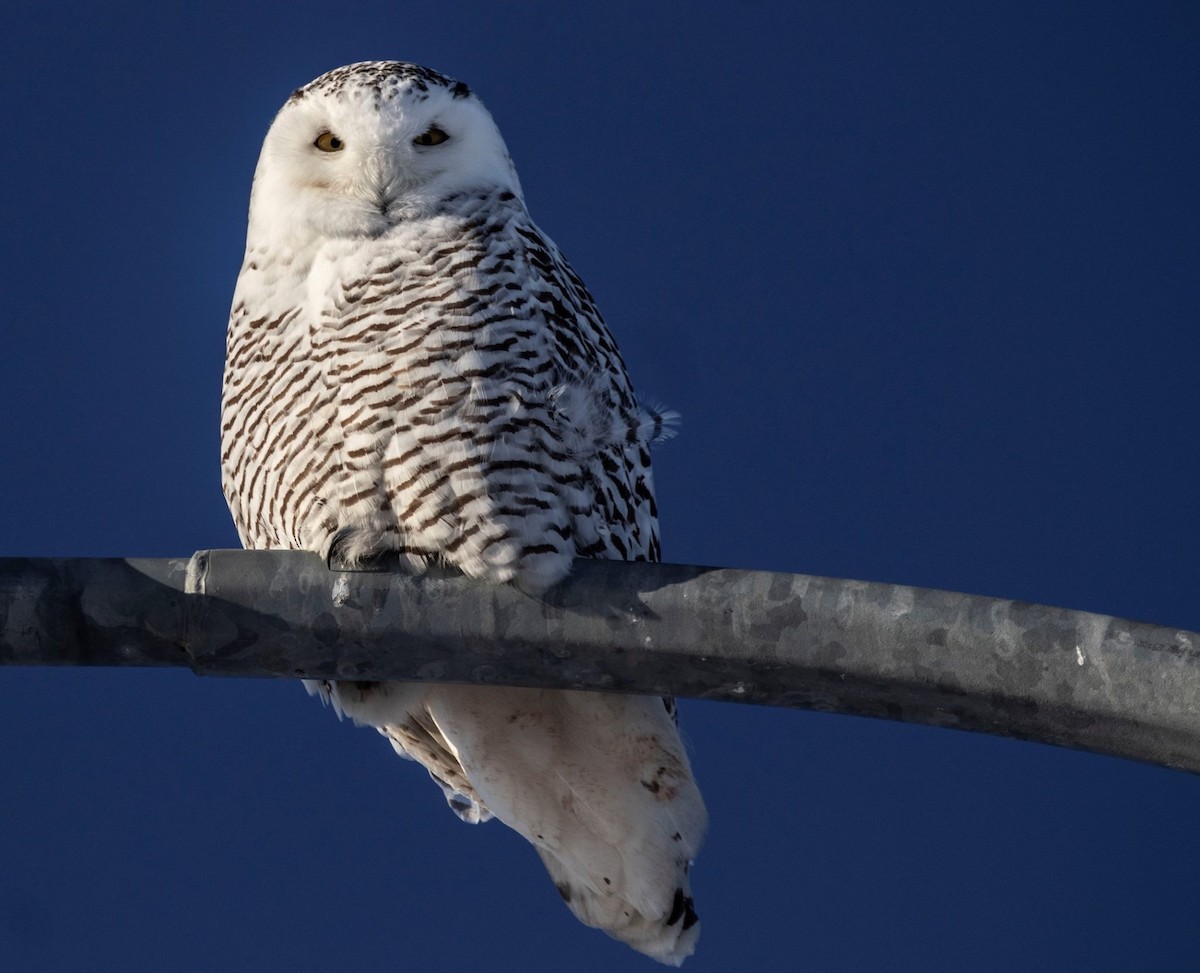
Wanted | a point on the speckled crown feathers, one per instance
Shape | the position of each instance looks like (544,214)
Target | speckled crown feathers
(381,80)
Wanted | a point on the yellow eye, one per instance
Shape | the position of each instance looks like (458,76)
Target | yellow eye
(328,142)
(435,136)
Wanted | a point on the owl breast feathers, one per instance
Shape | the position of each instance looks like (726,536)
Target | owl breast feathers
(413,366)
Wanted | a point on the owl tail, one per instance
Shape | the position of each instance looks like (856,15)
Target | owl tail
(598,783)
(668,937)
(601,785)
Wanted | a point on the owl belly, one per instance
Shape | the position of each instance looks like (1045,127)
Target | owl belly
(450,448)
(458,471)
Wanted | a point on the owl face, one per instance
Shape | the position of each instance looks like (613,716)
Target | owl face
(368,146)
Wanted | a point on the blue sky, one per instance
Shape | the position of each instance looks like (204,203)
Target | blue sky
(924,282)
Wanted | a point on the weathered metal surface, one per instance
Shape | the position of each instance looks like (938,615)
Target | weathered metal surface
(1030,671)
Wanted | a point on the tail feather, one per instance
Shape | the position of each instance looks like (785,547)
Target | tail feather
(599,783)
(668,934)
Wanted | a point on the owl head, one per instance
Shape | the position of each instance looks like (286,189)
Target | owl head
(370,145)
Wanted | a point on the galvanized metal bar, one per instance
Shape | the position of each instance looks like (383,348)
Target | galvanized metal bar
(1010,668)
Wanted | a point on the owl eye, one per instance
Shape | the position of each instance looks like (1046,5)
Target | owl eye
(435,136)
(328,142)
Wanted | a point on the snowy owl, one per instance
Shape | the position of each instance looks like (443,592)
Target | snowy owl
(413,367)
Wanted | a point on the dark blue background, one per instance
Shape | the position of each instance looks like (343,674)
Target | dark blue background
(923,280)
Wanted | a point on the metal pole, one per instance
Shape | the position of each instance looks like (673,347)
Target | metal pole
(1010,668)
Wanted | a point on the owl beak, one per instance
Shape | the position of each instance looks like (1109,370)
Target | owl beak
(379,180)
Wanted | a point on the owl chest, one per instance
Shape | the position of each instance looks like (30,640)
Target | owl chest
(380,374)
(427,397)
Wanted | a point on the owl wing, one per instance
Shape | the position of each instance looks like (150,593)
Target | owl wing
(618,518)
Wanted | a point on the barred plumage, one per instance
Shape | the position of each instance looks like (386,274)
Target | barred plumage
(412,366)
